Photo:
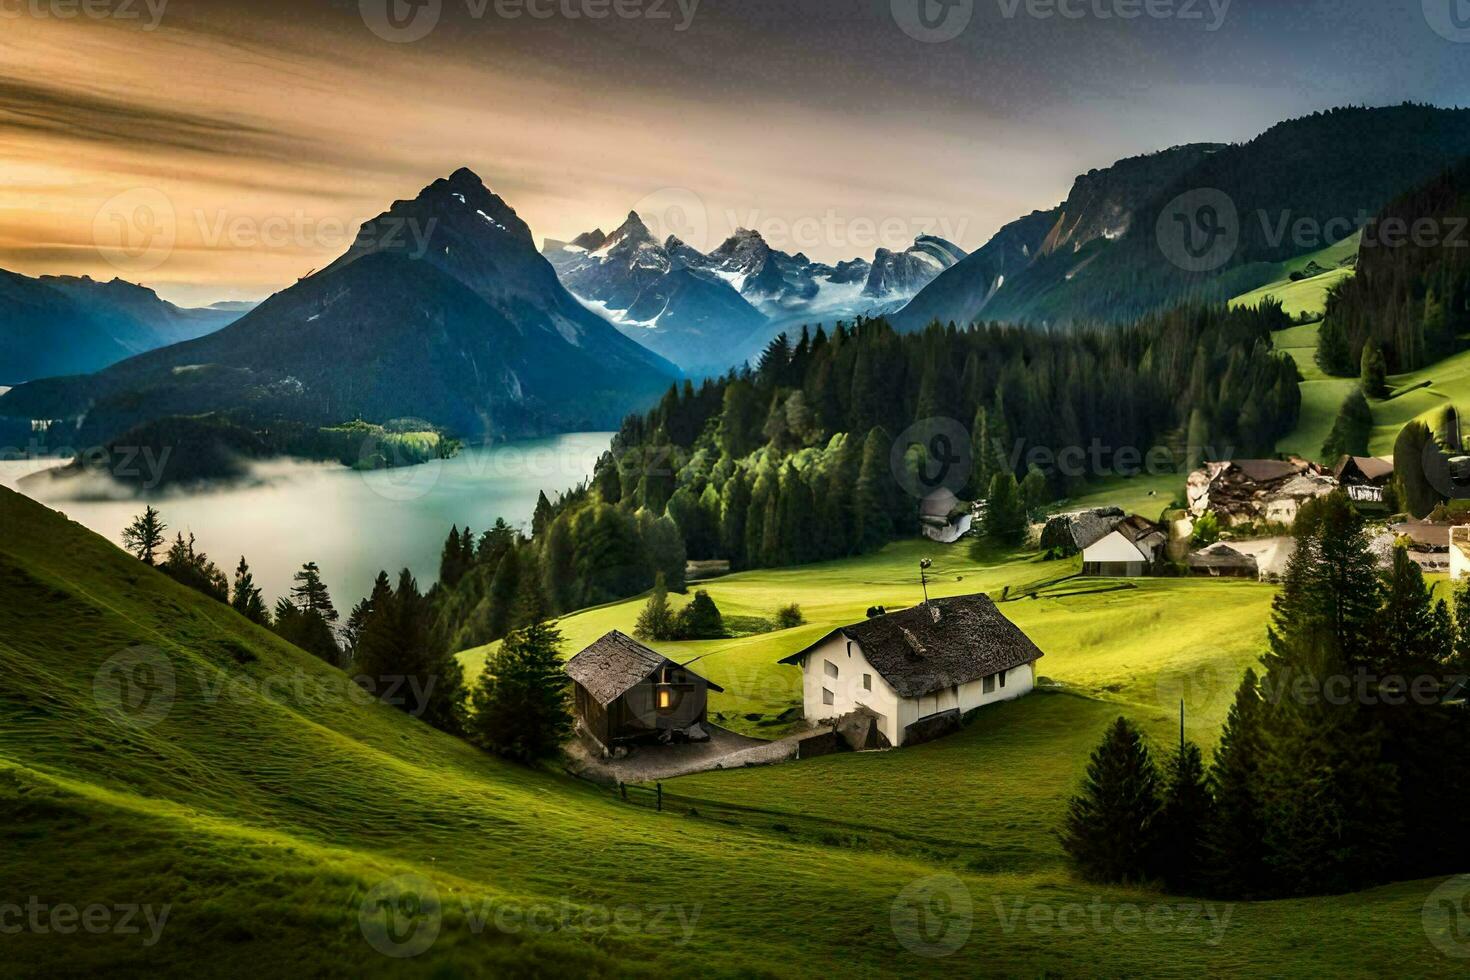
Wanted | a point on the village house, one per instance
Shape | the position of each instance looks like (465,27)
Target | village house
(1248,491)
(920,670)
(625,692)
(1132,549)
(1364,479)
(1428,544)
(1072,533)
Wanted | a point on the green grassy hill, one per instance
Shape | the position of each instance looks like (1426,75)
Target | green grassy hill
(1322,395)
(265,807)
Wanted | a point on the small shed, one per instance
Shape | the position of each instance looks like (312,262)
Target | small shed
(626,692)
(1220,560)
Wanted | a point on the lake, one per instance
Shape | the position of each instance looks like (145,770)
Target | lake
(351,524)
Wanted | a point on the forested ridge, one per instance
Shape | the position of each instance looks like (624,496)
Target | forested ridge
(1411,294)
(793,461)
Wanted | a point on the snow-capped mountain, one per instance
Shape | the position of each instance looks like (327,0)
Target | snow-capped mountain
(442,309)
(900,275)
(661,294)
(710,312)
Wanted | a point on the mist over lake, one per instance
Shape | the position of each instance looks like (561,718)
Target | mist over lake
(352,524)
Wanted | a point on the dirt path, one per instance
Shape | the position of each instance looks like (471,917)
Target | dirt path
(724,750)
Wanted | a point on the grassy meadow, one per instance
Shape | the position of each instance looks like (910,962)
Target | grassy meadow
(288,826)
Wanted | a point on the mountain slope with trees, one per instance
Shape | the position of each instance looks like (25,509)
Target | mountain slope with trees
(1330,170)
(441,310)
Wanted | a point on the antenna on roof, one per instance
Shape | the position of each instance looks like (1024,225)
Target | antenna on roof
(924,565)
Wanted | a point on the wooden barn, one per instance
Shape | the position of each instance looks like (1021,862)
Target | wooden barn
(626,692)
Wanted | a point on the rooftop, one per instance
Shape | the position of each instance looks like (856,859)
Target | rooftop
(942,644)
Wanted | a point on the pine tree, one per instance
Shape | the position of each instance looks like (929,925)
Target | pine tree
(144,536)
(1184,820)
(874,524)
(246,598)
(1374,374)
(1235,853)
(520,704)
(310,593)
(1111,828)
(1334,353)
(1413,631)
(656,621)
(453,562)
(543,516)
(1352,429)
(1005,522)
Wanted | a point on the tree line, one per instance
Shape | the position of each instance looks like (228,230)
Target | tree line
(1329,773)
(1410,297)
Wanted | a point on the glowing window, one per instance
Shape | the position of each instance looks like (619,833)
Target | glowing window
(665,698)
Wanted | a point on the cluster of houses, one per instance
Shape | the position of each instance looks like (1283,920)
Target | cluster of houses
(905,677)
(902,678)
(1243,495)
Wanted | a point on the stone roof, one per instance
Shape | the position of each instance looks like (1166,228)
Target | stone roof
(939,645)
(1080,530)
(1372,468)
(1425,535)
(615,664)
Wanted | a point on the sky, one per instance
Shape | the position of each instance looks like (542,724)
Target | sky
(221,150)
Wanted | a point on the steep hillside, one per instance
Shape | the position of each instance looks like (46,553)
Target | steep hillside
(442,310)
(263,816)
(1105,260)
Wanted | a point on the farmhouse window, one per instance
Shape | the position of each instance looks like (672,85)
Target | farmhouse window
(989,685)
(867,682)
(1003,678)
(828,697)
(665,698)
(829,668)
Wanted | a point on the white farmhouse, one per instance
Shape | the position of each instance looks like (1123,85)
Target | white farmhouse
(919,670)
(1129,551)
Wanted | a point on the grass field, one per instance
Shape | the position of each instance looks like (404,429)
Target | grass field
(1308,296)
(266,809)
(1321,395)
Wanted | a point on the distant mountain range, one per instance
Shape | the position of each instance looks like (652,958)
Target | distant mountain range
(462,324)
(711,312)
(58,325)
(1097,257)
